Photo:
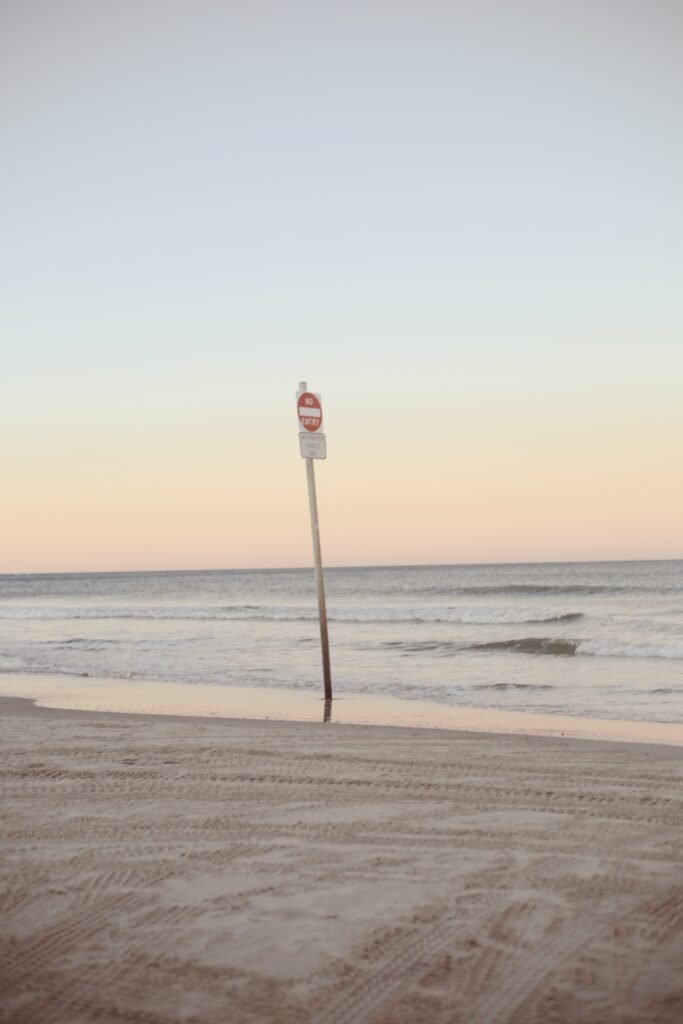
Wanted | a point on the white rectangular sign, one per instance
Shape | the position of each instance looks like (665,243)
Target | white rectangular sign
(313,446)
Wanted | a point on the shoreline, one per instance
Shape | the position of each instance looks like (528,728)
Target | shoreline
(260,704)
(29,708)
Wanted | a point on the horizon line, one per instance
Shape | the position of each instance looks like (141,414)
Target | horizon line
(306,568)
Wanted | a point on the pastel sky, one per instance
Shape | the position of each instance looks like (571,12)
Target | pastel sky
(461,223)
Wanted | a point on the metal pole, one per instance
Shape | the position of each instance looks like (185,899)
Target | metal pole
(318,562)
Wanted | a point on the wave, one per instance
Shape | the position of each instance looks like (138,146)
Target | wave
(512,686)
(25,668)
(161,613)
(619,649)
(533,645)
(560,647)
(407,647)
(358,614)
(541,590)
(11,665)
(530,645)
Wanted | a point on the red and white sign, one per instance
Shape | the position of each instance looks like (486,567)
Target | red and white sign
(310,411)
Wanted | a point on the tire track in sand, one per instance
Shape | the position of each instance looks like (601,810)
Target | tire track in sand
(395,959)
(519,977)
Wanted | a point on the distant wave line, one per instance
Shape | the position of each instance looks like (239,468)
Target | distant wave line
(544,590)
(284,613)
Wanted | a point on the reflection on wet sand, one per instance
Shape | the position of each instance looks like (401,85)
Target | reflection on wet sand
(233,702)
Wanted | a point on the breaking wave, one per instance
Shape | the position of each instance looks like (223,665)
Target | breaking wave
(593,648)
(618,649)
(558,647)
(530,645)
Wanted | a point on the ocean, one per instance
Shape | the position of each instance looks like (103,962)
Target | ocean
(601,639)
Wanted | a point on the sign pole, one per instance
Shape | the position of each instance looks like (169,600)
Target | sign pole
(319,582)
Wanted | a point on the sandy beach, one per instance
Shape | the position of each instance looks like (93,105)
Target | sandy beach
(164,870)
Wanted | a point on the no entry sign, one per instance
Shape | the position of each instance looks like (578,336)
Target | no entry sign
(309,411)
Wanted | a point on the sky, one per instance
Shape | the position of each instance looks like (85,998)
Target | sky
(460,223)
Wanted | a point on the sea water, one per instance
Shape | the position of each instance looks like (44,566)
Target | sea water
(603,640)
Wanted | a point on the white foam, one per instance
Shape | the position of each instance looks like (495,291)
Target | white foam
(619,649)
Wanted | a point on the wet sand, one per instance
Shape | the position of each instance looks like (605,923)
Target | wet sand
(197,700)
(165,870)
